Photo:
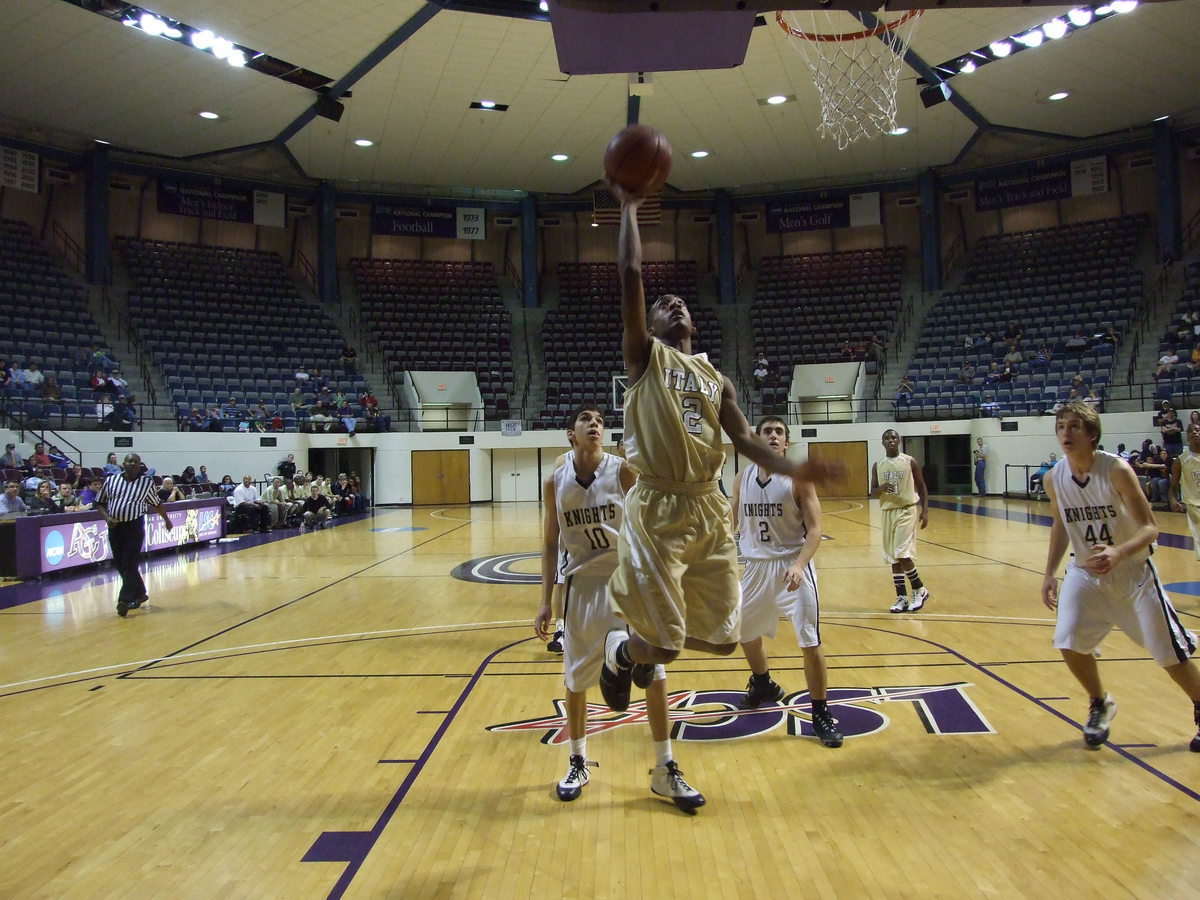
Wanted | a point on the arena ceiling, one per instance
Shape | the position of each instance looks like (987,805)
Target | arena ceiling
(71,77)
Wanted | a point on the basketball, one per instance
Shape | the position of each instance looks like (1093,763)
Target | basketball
(638,160)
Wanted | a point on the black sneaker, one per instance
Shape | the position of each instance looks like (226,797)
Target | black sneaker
(572,784)
(758,694)
(1194,746)
(137,602)
(122,608)
(1100,716)
(615,680)
(555,644)
(825,727)
(667,781)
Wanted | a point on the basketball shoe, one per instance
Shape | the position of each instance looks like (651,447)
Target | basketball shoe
(667,781)
(555,644)
(760,692)
(919,597)
(615,679)
(1194,746)
(825,727)
(901,605)
(1100,716)
(572,784)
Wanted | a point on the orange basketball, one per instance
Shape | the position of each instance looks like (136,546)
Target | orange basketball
(638,159)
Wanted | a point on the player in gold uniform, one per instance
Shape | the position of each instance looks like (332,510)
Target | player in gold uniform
(676,582)
(904,502)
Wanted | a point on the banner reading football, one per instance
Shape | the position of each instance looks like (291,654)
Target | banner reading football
(821,211)
(466,222)
(1026,186)
(229,204)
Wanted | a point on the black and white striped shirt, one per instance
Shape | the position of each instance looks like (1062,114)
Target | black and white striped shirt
(126,500)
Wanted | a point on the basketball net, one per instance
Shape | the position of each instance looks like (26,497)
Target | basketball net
(855,71)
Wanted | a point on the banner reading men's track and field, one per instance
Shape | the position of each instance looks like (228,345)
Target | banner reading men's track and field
(823,210)
(1036,185)
(420,220)
(205,200)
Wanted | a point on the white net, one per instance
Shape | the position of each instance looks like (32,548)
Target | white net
(855,67)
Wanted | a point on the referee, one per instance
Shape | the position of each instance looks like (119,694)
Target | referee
(124,500)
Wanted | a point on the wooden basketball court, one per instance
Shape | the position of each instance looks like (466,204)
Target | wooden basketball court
(336,714)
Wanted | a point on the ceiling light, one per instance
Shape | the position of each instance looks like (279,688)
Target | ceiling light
(967,68)
(1054,29)
(488,104)
(595,224)
(208,115)
(363,142)
(1031,38)
(1105,10)
(544,6)
(777,99)
(98,141)
(899,130)
(236,58)
(1159,119)
(1124,6)
(151,24)
(1058,95)
(1000,49)
(1080,17)
(203,40)
(221,47)
(560,157)
(699,154)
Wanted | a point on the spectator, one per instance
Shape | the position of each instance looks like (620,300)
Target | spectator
(966,374)
(6,378)
(58,459)
(278,499)
(1077,382)
(43,502)
(968,345)
(847,351)
(87,497)
(202,476)
(34,376)
(1035,480)
(40,457)
(188,477)
(11,503)
(1094,400)
(984,341)
(994,373)
(227,485)
(68,500)
(299,406)
(760,359)
(49,390)
(1013,358)
(287,467)
(196,420)
(1195,360)
(1161,414)
(1076,344)
(99,359)
(346,414)
(231,413)
(248,507)
(36,477)
(875,348)
(989,407)
(123,416)
(1042,359)
(904,393)
(301,376)
(111,466)
(1166,363)
(11,458)
(1140,460)
(1171,430)
(257,416)
(170,492)
(1159,469)
(377,421)
(347,501)
(760,374)
(315,509)
(316,380)
(1013,333)
(349,359)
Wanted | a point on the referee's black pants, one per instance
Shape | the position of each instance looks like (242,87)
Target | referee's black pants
(126,538)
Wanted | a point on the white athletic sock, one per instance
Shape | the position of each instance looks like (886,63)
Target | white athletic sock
(662,752)
(579,747)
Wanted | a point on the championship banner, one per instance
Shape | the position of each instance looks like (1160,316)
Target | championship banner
(19,169)
(465,222)
(228,204)
(822,211)
(1027,186)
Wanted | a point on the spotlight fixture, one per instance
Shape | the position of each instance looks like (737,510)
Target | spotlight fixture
(363,142)
(560,157)
(1058,95)
(1080,17)
(899,130)
(777,99)
(1054,29)
(699,154)
(1000,49)
(967,68)
(488,105)
(207,114)
(1031,38)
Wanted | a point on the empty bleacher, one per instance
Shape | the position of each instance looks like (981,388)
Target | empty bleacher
(1052,283)
(430,315)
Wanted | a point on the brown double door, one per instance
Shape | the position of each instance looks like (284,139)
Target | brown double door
(441,477)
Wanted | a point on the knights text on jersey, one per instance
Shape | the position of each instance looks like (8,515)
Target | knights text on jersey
(672,417)
(589,516)
(1091,509)
(770,522)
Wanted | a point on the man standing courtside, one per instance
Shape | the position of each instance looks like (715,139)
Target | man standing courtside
(124,500)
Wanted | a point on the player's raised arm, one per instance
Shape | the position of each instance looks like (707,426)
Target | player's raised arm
(636,340)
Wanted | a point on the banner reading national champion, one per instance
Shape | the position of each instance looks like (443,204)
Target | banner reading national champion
(1036,185)
(418,220)
(822,211)
(185,197)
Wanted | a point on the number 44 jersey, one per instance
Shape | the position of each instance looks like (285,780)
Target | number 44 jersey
(1091,509)
(589,516)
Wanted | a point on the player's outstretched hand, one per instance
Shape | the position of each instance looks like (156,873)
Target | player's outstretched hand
(542,624)
(822,473)
(1050,592)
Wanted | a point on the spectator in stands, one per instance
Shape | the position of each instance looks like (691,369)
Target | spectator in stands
(968,345)
(990,407)
(58,459)
(760,374)
(1159,468)
(123,416)
(847,351)
(170,492)
(1014,357)
(1166,363)
(111,466)
(1035,480)
(760,359)
(11,458)
(1140,460)
(349,359)
(11,503)
(87,497)
(1163,408)
(1105,339)
(231,413)
(216,421)
(316,509)
(257,416)
(196,420)
(1012,334)
(984,341)
(298,404)
(1041,359)
(73,475)
(119,383)
(875,349)
(1094,400)
(316,381)
(248,506)
(227,485)
(1077,382)
(1171,430)
(1076,344)
(967,373)
(40,457)
(377,421)
(904,393)
(99,359)
(103,393)
(68,500)
(36,477)
(202,476)
(345,414)
(188,477)
(49,390)
(319,419)
(43,502)
(6,377)
(278,500)
(347,501)
(33,375)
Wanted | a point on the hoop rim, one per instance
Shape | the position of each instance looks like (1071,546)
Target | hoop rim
(846,35)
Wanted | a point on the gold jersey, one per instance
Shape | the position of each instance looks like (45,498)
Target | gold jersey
(898,471)
(1189,477)
(672,422)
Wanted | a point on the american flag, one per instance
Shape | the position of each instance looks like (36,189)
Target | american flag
(606,209)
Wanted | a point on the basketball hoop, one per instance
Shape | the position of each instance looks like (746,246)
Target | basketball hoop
(855,71)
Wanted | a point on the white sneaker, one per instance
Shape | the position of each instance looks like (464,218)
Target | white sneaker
(667,781)
(1100,717)
(901,605)
(918,599)
(572,784)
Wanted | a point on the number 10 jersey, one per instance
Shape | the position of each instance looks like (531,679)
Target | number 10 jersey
(589,516)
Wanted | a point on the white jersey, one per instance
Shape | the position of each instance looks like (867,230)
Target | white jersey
(769,518)
(1090,508)
(589,517)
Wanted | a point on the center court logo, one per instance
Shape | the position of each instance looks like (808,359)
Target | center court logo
(715,716)
(53,548)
